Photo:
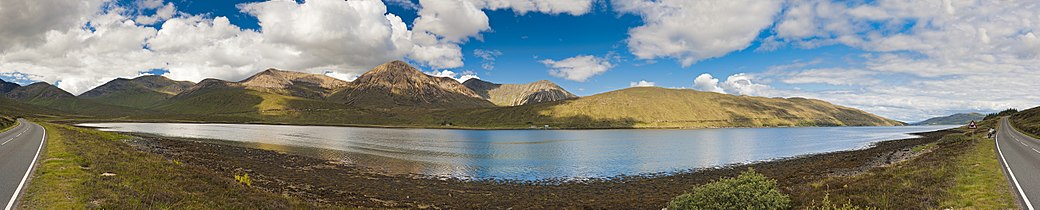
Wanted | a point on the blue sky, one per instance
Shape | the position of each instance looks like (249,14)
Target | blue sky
(903,60)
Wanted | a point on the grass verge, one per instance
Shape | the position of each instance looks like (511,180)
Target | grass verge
(83,168)
(7,124)
(954,172)
(980,183)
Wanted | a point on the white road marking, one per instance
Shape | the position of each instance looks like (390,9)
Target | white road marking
(16,136)
(18,190)
(1008,167)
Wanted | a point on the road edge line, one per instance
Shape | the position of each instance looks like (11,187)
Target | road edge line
(1011,173)
(27,172)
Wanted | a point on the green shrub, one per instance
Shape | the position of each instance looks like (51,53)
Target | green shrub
(750,190)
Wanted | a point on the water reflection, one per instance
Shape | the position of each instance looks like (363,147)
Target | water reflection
(532,154)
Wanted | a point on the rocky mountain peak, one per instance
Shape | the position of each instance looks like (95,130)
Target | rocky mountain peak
(519,94)
(274,78)
(399,84)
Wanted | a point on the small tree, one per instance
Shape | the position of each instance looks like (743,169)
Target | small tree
(750,190)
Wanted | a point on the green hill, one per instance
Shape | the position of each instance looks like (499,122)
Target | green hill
(955,119)
(652,107)
(1027,120)
(141,92)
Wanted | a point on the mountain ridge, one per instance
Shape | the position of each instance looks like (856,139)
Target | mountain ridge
(954,119)
(518,94)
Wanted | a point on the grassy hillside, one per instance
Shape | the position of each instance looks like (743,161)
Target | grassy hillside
(668,108)
(14,108)
(629,108)
(1027,120)
(955,119)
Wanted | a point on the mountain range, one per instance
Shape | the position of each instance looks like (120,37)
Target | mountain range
(397,94)
(955,119)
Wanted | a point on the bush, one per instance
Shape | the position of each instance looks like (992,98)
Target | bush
(750,190)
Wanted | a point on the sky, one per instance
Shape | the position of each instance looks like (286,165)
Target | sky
(905,60)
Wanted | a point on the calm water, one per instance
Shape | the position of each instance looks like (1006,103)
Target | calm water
(533,154)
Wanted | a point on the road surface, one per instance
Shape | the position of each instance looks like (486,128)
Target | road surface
(19,149)
(1020,157)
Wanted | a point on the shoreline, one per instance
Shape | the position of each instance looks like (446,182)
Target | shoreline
(74,122)
(327,182)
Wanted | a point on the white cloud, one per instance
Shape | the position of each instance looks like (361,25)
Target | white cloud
(705,82)
(25,23)
(164,13)
(578,68)
(690,31)
(453,20)
(349,76)
(461,77)
(945,57)
(642,83)
(737,84)
(488,57)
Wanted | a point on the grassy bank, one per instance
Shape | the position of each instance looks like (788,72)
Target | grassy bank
(6,123)
(955,172)
(84,168)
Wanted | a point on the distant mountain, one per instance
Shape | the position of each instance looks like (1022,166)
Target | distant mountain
(518,94)
(47,96)
(955,119)
(7,86)
(397,94)
(140,92)
(397,84)
(670,108)
(313,86)
(36,92)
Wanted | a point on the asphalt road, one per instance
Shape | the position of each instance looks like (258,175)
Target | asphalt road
(19,148)
(1020,156)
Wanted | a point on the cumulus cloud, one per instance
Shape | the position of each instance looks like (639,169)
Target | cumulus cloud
(948,56)
(705,82)
(690,31)
(642,83)
(578,68)
(737,84)
(461,77)
(84,43)
(25,23)
(164,13)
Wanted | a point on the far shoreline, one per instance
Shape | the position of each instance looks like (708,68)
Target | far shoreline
(75,121)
